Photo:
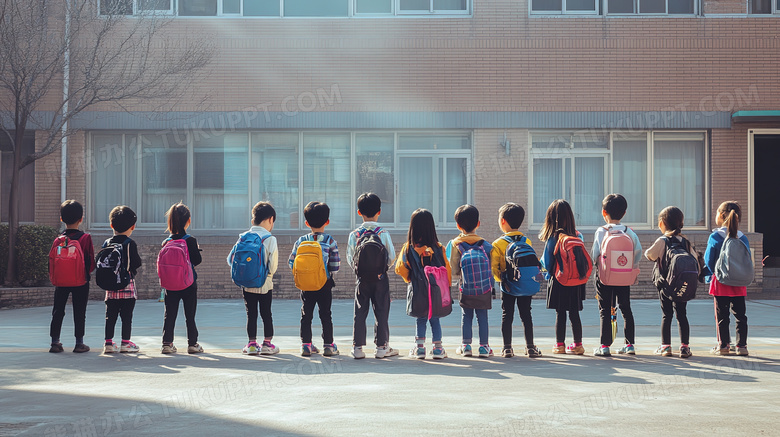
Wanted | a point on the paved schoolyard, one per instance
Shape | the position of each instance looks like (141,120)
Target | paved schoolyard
(222,392)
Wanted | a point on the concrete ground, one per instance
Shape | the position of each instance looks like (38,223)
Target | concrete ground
(222,392)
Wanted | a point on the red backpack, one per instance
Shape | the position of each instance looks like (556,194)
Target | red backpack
(573,264)
(66,262)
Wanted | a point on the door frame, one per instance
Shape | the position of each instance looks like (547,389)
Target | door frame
(752,172)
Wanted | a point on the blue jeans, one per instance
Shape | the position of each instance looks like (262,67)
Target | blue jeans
(467,320)
(435,328)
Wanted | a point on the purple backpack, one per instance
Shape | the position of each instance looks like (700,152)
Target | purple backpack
(173,265)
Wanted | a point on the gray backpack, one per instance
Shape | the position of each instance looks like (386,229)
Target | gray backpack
(735,264)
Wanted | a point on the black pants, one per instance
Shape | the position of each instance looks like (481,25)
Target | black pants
(80,298)
(124,309)
(253,301)
(560,326)
(188,297)
(523,303)
(737,306)
(607,296)
(322,299)
(671,308)
(378,295)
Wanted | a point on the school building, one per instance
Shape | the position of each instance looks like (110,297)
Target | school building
(437,103)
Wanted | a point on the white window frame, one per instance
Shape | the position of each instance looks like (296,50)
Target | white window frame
(570,152)
(431,10)
(563,11)
(636,13)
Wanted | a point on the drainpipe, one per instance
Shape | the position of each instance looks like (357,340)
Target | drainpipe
(65,85)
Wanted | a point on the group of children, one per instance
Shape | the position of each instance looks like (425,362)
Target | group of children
(427,266)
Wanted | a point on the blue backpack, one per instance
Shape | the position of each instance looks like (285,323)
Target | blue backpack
(522,268)
(249,268)
(476,275)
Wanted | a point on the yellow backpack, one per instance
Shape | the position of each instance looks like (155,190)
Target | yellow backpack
(309,267)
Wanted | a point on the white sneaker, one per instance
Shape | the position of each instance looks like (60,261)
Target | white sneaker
(109,348)
(269,349)
(385,351)
(128,347)
(357,353)
(252,348)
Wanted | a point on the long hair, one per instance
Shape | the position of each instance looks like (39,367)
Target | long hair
(559,219)
(177,216)
(731,214)
(422,230)
(673,219)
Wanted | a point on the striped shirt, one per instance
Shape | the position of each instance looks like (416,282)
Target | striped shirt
(128,292)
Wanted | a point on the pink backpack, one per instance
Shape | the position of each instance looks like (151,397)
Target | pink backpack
(444,306)
(616,262)
(174,267)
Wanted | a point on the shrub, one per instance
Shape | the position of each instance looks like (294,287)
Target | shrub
(32,243)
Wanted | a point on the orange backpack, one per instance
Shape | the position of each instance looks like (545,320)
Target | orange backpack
(573,264)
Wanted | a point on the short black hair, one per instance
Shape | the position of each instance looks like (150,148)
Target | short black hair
(71,212)
(369,204)
(615,205)
(262,211)
(317,214)
(467,217)
(513,213)
(122,218)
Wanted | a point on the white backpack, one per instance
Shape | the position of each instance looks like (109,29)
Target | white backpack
(735,263)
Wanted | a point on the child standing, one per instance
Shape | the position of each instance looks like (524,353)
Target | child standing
(558,224)
(510,218)
(728,297)
(72,214)
(263,219)
(314,260)
(469,257)
(179,220)
(670,222)
(370,253)
(422,248)
(120,300)
(613,208)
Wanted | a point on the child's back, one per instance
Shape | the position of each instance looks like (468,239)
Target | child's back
(370,253)
(469,256)
(670,222)
(71,261)
(616,251)
(729,259)
(516,267)
(314,259)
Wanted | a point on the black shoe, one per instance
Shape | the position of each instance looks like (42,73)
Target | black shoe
(81,348)
(56,348)
(533,352)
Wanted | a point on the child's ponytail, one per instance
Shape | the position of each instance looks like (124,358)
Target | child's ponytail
(177,217)
(673,219)
(731,213)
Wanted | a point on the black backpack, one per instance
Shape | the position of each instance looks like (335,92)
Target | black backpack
(370,258)
(111,270)
(676,273)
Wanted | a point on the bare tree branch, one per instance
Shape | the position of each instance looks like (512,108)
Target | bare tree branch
(113,60)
